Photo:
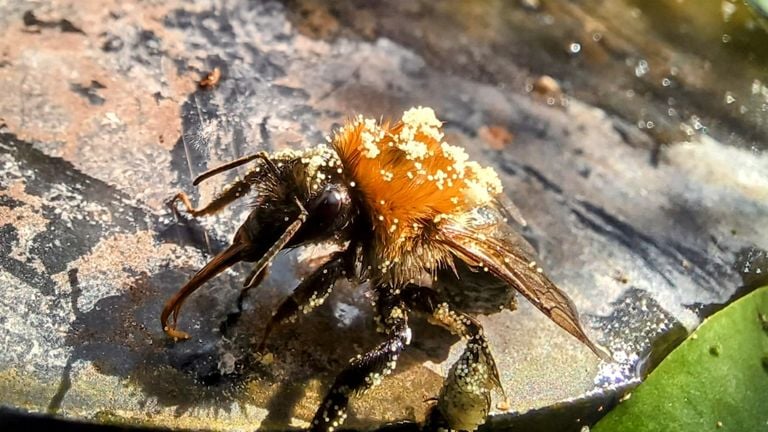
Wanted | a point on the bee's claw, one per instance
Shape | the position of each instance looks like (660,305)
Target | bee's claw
(177,335)
(171,204)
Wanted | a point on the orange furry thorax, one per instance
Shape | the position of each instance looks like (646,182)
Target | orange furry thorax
(408,178)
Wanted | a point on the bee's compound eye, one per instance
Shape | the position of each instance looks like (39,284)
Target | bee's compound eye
(329,205)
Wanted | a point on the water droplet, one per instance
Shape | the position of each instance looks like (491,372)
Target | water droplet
(630,93)
(726,38)
(641,68)
(729,99)
(597,37)
(696,122)
(574,48)
(666,82)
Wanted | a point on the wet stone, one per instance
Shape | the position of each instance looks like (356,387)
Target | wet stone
(649,229)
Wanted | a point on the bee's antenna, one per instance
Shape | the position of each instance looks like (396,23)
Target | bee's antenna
(234,164)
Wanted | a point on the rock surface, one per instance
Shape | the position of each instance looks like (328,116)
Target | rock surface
(649,228)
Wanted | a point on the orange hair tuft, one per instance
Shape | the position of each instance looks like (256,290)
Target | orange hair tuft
(408,178)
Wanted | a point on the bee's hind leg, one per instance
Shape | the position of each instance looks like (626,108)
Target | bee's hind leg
(427,301)
(465,398)
(367,370)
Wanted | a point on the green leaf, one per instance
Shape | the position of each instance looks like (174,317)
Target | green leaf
(716,380)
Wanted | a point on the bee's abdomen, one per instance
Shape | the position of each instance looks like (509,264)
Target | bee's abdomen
(474,290)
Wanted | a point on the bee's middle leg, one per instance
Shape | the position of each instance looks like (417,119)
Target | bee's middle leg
(367,370)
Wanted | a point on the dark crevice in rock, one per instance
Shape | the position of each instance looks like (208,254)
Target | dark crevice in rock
(664,256)
(658,255)
(112,43)
(65,25)
(89,92)
(542,179)
(22,270)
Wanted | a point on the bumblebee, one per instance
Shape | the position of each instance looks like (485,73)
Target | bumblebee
(402,204)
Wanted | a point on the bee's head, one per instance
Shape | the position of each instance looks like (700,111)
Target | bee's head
(299,197)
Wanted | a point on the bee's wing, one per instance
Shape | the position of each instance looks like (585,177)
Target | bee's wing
(502,255)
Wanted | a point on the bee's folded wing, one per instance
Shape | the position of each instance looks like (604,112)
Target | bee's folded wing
(500,256)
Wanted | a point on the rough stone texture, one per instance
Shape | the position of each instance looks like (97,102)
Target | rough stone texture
(101,121)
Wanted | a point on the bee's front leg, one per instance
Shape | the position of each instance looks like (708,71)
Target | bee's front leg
(367,370)
(465,398)
(230,193)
